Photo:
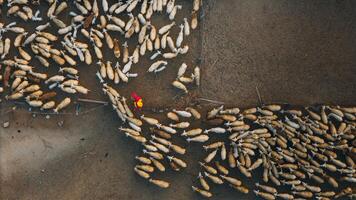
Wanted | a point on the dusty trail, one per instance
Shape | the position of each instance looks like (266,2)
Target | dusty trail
(282,47)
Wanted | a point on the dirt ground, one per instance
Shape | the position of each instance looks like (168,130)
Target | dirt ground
(296,52)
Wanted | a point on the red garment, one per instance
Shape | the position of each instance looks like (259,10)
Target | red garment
(138,103)
(135,96)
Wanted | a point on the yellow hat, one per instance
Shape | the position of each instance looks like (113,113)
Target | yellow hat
(139,103)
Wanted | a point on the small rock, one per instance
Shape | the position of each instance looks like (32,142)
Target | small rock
(6,124)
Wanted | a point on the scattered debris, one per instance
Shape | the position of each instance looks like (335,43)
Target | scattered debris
(60,123)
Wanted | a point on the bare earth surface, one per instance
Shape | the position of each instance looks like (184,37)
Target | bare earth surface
(300,52)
